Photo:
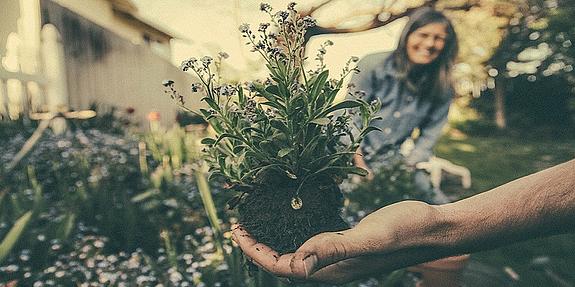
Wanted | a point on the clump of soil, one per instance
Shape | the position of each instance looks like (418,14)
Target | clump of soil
(267,213)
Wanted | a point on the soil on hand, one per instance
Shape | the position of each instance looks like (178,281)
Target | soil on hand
(267,213)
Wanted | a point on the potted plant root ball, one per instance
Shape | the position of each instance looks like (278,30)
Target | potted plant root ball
(283,144)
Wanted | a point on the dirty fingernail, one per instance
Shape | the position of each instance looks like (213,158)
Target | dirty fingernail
(309,264)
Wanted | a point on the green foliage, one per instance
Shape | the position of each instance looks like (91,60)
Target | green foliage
(532,66)
(289,123)
(89,184)
(20,127)
(12,237)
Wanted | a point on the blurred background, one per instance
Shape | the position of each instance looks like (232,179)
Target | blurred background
(101,181)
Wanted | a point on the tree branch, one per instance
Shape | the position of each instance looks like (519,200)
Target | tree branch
(376,22)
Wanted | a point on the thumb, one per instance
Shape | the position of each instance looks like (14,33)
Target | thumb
(319,251)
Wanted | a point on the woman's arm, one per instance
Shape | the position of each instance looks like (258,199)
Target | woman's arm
(360,162)
(408,233)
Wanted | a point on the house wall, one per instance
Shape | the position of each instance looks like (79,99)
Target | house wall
(105,68)
(8,22)
(100,12)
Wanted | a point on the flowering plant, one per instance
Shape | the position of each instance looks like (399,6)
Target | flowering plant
(286,131)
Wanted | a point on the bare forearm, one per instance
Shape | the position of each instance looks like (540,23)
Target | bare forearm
(411,232)
(537,205)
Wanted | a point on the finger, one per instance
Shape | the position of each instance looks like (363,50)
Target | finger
(319,251)
(255,263)
(262,255)
(304,262)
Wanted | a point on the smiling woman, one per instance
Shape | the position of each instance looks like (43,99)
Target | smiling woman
(413,83)
(426,43)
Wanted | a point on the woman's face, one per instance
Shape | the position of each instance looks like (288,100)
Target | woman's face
(426,43)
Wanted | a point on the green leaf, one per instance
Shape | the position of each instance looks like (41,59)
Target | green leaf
(354,170)
(145,195)
(211,103)
(290,174)
(266,146)
(283,90)
(368,130)
(272,70)
(208,141)
(320,121)
(276,105)
(214,174)
(225,135)
(38,198)
(347,104)
(210,209)
(13,235)
(332,156)
(298,102)
(331,96)
(279,137)
(274,90)
(217,126)
(344,169)
(318,84)
(284,151)
(205,113)
(241,97)
(66,226)
(250,129)
(279,125)
(222,164)
(258,171)
(269,96)
(281,70)
(318,140)
(239,148)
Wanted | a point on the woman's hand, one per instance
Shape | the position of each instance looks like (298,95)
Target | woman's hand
(360,162)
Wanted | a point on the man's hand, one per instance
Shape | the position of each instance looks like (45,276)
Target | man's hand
(411,232)
(340,257)
(301,265)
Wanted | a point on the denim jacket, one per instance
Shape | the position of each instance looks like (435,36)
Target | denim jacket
(401,112)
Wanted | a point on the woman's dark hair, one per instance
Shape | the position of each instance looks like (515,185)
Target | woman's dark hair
(436,76)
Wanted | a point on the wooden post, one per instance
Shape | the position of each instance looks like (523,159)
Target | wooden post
(55,72)
(29,31)
(25,99)
(500,119)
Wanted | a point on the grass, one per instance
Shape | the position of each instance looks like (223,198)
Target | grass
(500,158)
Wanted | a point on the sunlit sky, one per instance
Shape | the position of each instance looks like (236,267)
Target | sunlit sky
(206,27)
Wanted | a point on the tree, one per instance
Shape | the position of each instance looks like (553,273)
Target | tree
(537,45)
